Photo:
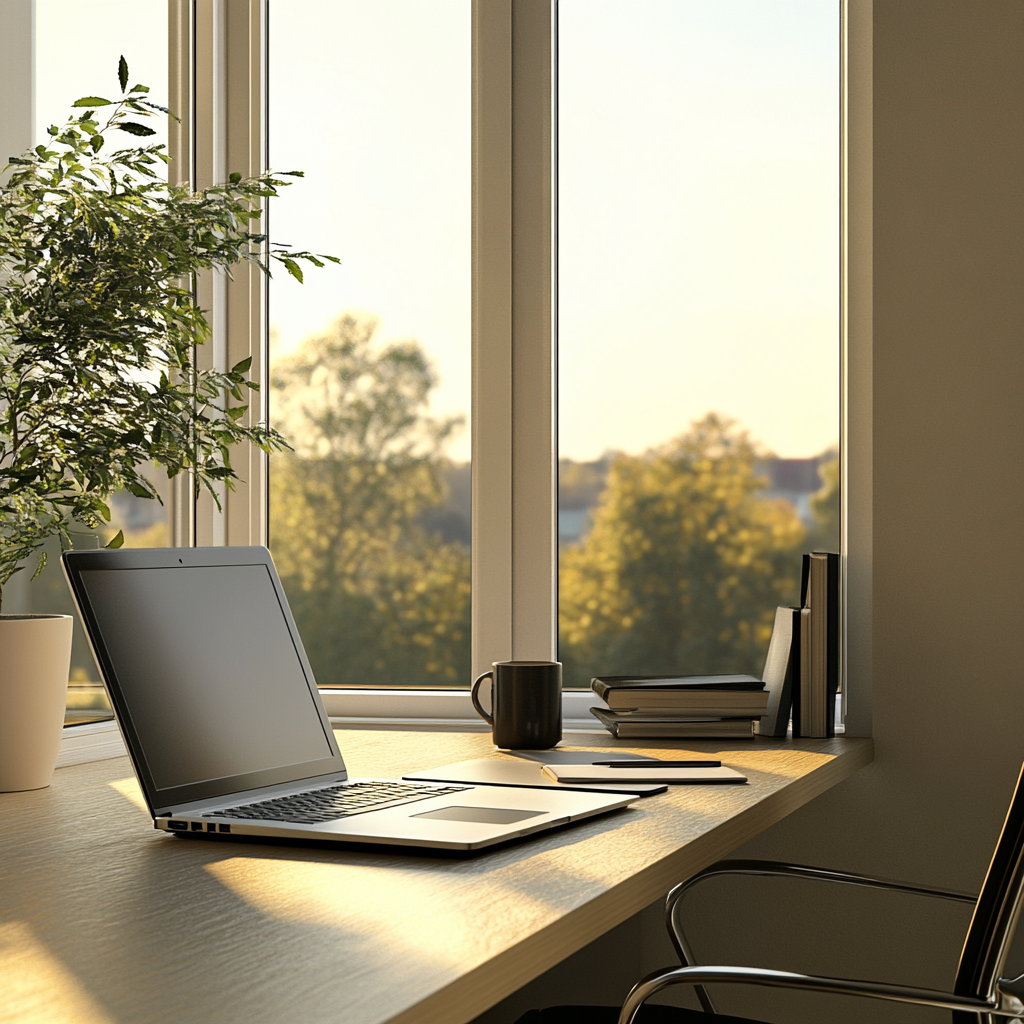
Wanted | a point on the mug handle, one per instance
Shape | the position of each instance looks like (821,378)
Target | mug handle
(489,719)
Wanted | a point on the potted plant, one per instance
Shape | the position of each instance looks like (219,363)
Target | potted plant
(99,258)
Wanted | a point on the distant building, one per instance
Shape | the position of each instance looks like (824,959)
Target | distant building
(573,524)
(580,485)
(795,480)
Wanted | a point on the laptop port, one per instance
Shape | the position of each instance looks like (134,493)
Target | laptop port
(225,828)
(197,826)
(178,826)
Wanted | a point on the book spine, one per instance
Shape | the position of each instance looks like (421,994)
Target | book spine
(833,643)
(805,704)
(822,648)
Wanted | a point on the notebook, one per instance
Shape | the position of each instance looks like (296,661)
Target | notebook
(219,710)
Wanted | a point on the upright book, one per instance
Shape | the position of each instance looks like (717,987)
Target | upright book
(819,646)
(781,672)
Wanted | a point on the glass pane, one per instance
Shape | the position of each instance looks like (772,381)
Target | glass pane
(698,325)
(77,48)
(370,361)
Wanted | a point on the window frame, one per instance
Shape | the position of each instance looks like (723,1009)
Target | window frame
(218,69)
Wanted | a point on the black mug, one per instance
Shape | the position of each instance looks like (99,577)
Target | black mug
(526,704)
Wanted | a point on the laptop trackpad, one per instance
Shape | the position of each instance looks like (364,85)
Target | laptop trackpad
(484,815)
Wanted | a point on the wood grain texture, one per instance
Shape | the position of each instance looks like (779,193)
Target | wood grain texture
(102,919)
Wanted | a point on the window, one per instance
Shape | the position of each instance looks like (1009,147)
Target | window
(370,360)
(699,172)
(429,131)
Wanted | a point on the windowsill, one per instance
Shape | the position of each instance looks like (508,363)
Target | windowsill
(441,710)
(93,741)
(449,710)
(436,709)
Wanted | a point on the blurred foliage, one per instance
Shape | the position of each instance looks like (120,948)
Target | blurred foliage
(682,570)
(379,598)
(684,566)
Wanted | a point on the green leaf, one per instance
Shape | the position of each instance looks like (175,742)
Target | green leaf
(96,142)
(122,77)
(140,88)
(118,539)
(134,128)
(234,177)
(41,566)
(237,412)
(92,101)
(293,268)
(242,366)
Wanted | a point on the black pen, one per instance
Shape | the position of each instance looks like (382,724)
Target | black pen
(658,764)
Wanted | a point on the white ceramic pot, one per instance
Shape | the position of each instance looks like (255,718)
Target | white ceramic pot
(35,656)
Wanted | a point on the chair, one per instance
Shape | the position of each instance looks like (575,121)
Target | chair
(979,996)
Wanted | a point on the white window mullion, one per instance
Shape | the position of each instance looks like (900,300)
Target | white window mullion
(245,147)
(181,147)
(534,456)
(514,551)
(217,75)
(492,333)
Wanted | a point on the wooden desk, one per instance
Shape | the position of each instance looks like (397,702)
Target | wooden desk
(105,921)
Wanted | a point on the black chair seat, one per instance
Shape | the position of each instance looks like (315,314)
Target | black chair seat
(649,1014)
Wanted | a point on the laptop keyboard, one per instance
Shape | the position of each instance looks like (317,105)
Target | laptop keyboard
(335,802)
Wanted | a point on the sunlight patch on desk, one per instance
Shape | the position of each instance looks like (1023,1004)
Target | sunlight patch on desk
(351,899)
(37,987)
(796,764)
(785,763)
(129,789)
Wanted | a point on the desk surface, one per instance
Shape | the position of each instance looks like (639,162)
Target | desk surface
(104,920)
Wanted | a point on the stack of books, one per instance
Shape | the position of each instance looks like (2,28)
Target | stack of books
(680,707)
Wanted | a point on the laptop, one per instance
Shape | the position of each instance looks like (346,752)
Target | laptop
(221,716)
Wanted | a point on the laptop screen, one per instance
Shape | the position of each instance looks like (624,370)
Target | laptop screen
(207,670)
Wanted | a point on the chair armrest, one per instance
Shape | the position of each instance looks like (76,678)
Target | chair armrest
(1002,1004)
(776,869)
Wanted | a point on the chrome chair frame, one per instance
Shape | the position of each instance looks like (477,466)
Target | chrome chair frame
(979,993)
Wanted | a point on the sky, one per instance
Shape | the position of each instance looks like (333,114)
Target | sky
(78,45)
(698,196)
(699,221)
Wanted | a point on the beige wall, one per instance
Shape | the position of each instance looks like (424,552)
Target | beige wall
(948,544)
